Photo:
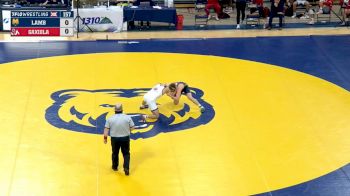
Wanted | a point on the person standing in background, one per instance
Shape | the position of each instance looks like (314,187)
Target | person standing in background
(240,6)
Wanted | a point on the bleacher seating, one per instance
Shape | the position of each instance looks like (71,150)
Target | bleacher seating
(6,2)
(36,3)
(200,17)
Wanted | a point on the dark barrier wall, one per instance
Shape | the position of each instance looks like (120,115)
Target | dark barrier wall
(1,19)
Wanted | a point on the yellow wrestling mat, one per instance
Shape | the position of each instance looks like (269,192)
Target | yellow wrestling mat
(269,127)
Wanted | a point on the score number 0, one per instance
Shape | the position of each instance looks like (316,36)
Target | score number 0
(66,25)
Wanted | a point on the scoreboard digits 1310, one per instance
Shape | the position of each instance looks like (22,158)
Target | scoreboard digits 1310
(42,23)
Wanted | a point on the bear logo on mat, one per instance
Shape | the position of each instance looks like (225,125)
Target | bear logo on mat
(87,110)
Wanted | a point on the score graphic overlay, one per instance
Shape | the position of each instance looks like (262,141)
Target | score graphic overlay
(42,23)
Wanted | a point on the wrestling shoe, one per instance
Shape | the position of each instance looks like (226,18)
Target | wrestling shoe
(143,107)
(126,171)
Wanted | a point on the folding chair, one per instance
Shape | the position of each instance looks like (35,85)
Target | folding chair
(200,16)
(253,18)
(325,16)
(300,10)
(282,14)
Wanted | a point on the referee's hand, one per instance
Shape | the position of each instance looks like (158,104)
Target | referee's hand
(105,139)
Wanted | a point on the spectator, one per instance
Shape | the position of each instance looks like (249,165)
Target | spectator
(213,4)
(277,9)
(288,8)
(325,7)
(301,2)
(240,6)
(257,8)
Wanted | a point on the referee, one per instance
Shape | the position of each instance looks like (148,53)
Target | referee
(120,126)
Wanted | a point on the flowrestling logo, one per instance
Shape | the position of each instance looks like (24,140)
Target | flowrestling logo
(6,20)
(87,110)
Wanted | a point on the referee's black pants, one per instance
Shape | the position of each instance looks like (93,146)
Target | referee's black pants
(124,144)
